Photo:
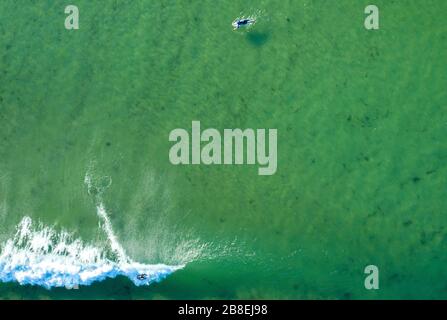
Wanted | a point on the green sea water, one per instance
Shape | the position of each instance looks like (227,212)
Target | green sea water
(362,124)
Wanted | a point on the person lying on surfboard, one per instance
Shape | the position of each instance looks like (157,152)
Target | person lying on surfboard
(243,22)
(142,276)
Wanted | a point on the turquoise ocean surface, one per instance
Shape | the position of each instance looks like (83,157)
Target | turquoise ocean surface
(90,200)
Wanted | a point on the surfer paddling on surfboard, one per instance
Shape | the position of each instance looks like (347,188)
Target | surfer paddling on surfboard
(243,22)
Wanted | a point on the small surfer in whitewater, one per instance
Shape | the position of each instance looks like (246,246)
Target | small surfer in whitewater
(142,276)
(243,22)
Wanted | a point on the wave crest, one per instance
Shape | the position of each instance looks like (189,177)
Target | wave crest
(39,255)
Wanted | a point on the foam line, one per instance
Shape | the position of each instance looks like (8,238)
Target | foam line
(39,255)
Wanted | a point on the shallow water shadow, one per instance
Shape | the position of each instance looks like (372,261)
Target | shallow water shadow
(257,39)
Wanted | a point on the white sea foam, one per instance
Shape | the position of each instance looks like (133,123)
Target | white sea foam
(41,255)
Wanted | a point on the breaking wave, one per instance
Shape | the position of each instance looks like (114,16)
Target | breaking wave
(40,255)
